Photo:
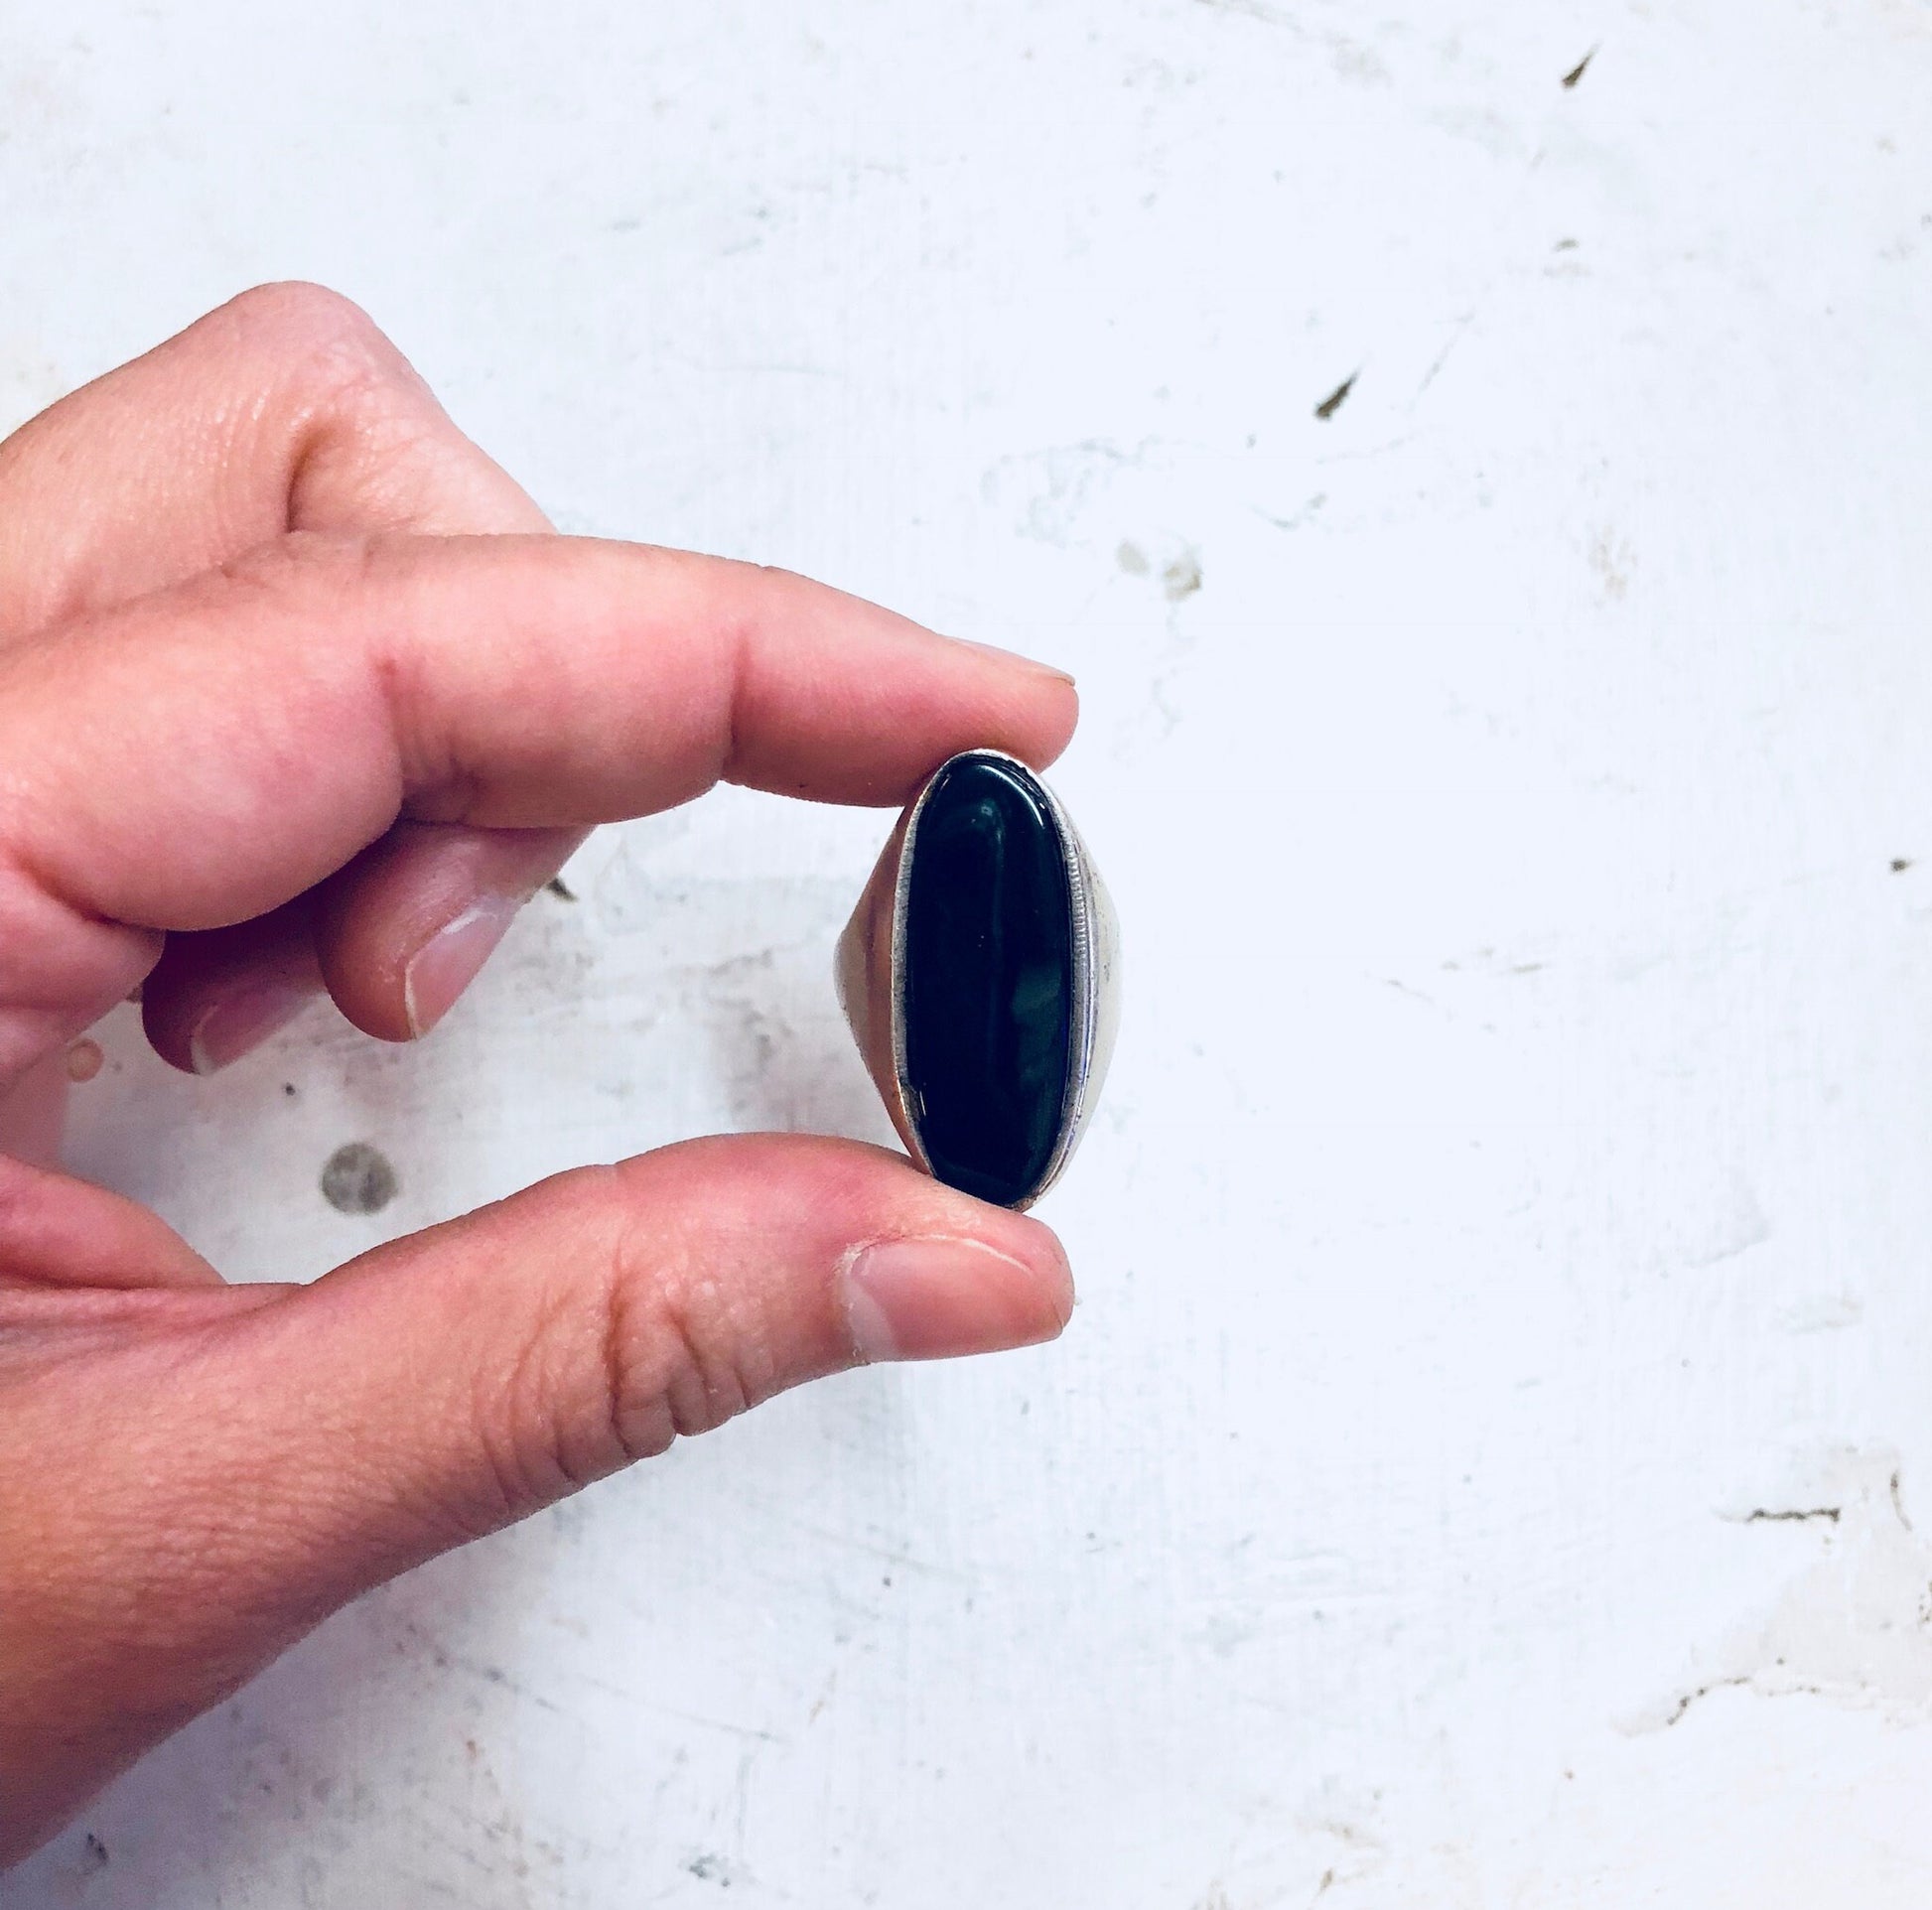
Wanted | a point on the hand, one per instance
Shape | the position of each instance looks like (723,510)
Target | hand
(298,693)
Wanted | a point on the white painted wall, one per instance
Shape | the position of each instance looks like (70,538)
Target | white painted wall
(1517,1171)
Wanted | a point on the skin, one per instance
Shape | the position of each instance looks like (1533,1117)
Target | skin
(291,677)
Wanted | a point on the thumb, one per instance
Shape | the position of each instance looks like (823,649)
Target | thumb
(212,1489)
(466,1376)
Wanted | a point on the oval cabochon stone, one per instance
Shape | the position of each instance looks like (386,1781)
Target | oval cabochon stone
(987,977)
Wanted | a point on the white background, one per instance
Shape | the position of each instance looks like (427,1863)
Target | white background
(1515,1173)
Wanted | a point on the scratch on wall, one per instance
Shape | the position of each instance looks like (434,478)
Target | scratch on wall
(1855,1626)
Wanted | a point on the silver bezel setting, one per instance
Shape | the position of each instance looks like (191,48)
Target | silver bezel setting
(1095,965)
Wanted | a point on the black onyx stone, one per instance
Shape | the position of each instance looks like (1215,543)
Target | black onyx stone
(987,977)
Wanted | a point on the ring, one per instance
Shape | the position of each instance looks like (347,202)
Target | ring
(980,975)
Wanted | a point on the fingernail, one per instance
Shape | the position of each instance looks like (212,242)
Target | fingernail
(930,1300)
(1013,656)
(448,962)
(226,1031)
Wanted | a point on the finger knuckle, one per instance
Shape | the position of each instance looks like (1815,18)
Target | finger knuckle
(629,1347)
(693,1378)
(676,1354)
(329,357)
(308,318)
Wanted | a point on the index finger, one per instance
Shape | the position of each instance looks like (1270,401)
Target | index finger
(206,754)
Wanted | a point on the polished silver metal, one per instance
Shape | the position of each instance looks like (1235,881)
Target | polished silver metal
(871,973)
